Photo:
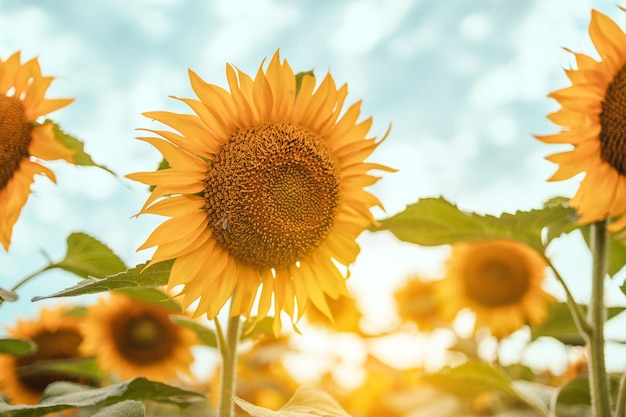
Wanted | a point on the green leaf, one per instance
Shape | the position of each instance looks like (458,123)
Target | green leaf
(86,367)
(64,395)
(435,221)
(88,257)
(471,379)
(560,325)
(206,335)
(574,399)
(299,77)
(474,377)
(136,277)
(617,251)
(80,156)
(6,295)
(152,295)
(16,346)
(306,402)
(128,408)
(564,224)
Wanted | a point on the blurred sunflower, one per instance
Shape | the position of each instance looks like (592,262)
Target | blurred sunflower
(345,315)
(593,118)
(385,391)
(499,280)
(57,337)
(418,302)
(23,141)
(266,190)
(133,338)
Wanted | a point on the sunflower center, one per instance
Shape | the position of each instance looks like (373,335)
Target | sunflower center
(51,345)
(272,193)
(14,137)
(497,282)
(613,123)
(145,338)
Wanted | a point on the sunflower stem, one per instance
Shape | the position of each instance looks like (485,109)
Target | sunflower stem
(221,342)
(580,320)
(598,380)
(28,278)
(621,397)
(228,350)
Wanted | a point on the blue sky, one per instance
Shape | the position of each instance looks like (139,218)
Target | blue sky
(463,85)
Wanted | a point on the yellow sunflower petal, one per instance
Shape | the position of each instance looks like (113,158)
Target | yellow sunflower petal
(499,280)
(132,338)
(274,184)
(58,336)
(591,115)
(45,146)
(606,36)
(22,101)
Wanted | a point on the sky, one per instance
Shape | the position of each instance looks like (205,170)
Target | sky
(462,84)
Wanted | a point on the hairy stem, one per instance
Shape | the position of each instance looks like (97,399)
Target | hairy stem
(596,316)
(582,324)
(228,350)
(621,398)
(28,278)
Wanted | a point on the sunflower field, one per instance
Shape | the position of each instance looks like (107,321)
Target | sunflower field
(243,296)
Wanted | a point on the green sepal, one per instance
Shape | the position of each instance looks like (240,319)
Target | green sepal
(299,77)
(162,165)
(250,329)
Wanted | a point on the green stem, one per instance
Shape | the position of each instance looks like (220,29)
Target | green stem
(228,349)
(581,322)
(221,341)
(28,278)
(598,380)
(621,398)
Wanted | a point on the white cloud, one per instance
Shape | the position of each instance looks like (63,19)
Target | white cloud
(245,27)
(538,57)
(364,24)
(425,36)
(476,26)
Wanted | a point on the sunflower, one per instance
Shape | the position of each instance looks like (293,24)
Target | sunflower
(345,313)
(499,280)
(57,336)
(133,338)
(265,191)
(418,302)
(22,89)
(593,118)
